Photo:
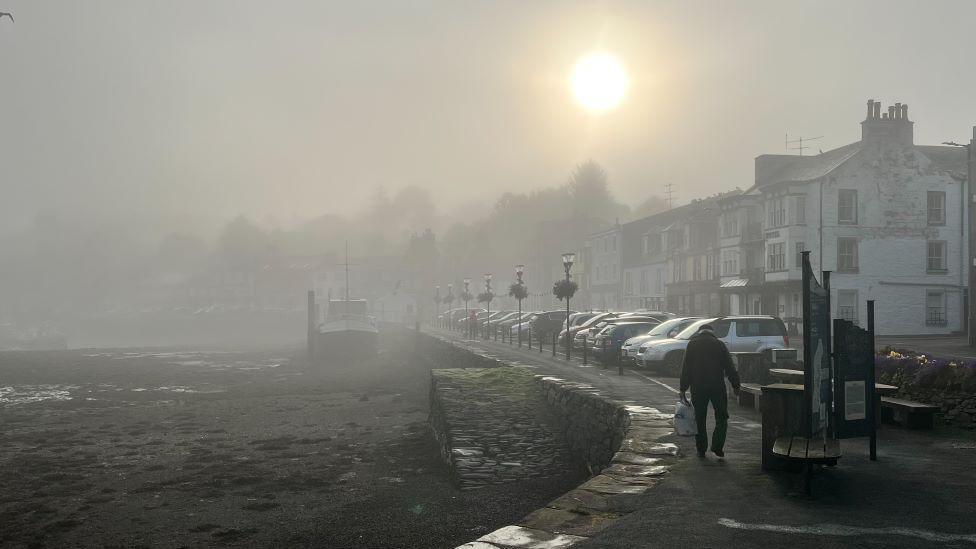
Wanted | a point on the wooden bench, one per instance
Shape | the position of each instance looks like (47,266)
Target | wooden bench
(808,452)
(749,395)
(908,413)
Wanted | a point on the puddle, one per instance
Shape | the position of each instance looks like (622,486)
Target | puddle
(26,394)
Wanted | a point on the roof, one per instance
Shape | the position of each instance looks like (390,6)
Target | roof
(947,159)
(735,283)
(780,168)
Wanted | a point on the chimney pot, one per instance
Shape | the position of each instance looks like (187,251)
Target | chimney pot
(891,111)
(904,111)
(870,108)
(897,110)
(877,109)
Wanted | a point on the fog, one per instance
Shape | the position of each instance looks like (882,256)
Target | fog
(134,134)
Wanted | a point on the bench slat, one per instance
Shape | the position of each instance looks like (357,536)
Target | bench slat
(781,446)
(901,403)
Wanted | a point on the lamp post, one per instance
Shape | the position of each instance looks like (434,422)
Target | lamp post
(437,304)
(467,322)
(488,304)
(449,298)
(568,259)
(967,202)
(519,269)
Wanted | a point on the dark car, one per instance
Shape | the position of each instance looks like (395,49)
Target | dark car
(584,327)
(606,345)
(546,324)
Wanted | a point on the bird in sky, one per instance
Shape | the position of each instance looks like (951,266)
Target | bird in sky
(10,15)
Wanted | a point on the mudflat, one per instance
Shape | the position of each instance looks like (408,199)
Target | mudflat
(188,448)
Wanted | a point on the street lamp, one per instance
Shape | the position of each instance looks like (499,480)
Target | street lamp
(437,304)
(971,329)
(519,269)
(450,305)
(467,295)
(488,304)
(568,259)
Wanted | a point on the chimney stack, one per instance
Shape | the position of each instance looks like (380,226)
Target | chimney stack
(891,127)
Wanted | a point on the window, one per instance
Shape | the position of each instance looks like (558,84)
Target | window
(628,283)
(936,262)
(645,282)
(935,308)
(776,257)
(646,240)
(847,305)
(799,210)
(660,281)
(697,268)
(847,255)
(759,327)
(721,327)
(847,207)
(731,225)
(799,248)
(777,212)
(730,262)
(936,208)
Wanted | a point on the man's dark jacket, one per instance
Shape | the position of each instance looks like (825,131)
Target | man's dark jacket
(707,361)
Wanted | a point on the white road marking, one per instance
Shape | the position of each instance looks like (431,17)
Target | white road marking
(661,383)
(841,530)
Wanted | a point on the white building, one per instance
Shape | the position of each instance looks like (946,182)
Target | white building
(885,216)
(603,252)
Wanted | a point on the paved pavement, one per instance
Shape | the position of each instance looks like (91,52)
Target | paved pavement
(920,492)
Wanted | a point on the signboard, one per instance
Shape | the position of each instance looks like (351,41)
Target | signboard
(816,351)
(853,378)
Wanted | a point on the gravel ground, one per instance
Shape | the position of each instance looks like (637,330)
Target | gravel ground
(169,448)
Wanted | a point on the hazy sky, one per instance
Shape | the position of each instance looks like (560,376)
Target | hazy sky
(292,109)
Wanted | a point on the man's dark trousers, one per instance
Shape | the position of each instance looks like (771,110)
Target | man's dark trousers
(720,403)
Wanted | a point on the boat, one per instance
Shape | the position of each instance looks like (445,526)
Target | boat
(347,329)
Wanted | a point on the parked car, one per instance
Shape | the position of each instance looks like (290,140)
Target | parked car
(606,345)
(664,330)
(577,332)
(526,325)
(545,324)
(512,320)
(749,334)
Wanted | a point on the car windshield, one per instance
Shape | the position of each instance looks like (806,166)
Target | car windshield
(595,320)
(666,326)
(693,328)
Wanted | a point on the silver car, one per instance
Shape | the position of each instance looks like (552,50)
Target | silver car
(743,334)
(666,329)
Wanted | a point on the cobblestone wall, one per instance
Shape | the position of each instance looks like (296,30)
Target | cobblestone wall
(958,408)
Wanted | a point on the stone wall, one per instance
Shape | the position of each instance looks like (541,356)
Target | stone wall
(593,425)
(958,408)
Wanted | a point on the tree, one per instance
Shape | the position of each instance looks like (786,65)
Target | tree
(485,297)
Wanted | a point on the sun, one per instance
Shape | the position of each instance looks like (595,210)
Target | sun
(599,82)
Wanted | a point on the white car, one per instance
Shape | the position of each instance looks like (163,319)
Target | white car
(749,334)
(666,329)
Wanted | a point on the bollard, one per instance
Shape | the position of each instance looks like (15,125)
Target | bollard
(528,334)
(496,333)
(603,355)
(584,350)
(620,362)
(554,345)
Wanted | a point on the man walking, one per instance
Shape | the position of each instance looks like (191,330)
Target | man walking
(707,363)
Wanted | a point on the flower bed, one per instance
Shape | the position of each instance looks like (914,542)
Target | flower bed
(949,383)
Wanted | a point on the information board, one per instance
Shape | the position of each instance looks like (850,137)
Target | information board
(816,351)
(853,380)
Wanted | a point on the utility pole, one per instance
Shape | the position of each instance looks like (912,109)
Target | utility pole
(970,200)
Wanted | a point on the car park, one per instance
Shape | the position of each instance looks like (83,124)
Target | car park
(752,334)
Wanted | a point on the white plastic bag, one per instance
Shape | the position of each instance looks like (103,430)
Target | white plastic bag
(684,420)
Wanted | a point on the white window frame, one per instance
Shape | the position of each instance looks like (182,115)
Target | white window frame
(936,263)
(936,316)
(852,219)
(939,209)
(847,311)
(854,267)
